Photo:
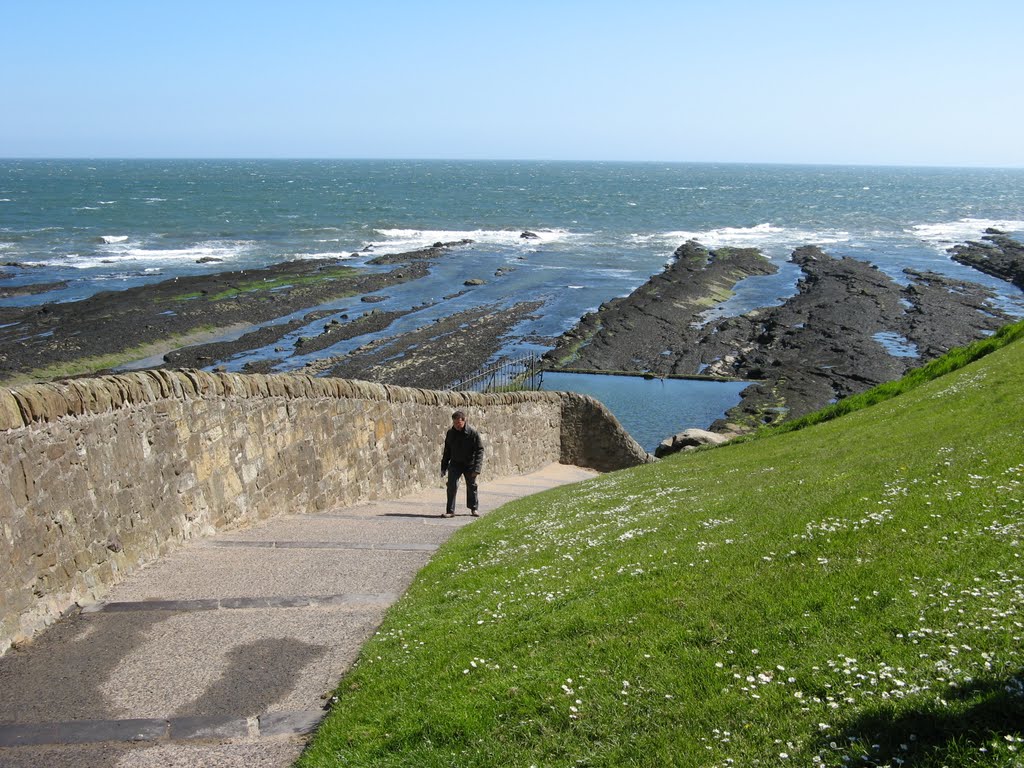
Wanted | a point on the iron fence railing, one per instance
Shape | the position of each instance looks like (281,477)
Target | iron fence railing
(522,373)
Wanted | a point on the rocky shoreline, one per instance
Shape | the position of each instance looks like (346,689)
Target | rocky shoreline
(182,323)
(114,323)
(450,350)
(848,328)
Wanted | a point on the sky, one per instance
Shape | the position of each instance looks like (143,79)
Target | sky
(892,82)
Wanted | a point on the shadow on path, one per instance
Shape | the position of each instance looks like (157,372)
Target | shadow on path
(258,675)
(60,676)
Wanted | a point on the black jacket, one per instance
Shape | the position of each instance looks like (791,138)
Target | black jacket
(463,447)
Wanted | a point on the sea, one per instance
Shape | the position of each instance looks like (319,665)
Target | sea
(601,228)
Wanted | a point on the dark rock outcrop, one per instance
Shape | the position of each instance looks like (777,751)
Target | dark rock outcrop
(653,328)
(434,356)
(997,255)
(31,290)
(848,328)
(436,251)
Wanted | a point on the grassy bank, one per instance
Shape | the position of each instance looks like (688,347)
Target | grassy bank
(845,594)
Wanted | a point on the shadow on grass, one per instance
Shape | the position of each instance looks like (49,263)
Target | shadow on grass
(972,718)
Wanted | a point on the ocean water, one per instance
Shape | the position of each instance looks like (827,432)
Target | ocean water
(603,228)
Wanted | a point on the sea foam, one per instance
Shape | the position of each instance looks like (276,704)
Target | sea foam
(399,240)
(943,235)
(114,251)
(772,240)
(340,255)
(225,250)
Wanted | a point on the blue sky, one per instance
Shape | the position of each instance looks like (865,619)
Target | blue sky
(893,82)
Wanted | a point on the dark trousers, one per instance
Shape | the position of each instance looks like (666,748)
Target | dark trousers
(455,471)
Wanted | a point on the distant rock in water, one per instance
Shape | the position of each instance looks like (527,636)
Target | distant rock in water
(475,281)
(208,260)
(529,236)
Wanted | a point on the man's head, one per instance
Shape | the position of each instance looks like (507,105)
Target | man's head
(459,420)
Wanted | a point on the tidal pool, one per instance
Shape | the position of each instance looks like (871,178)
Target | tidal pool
(653,409)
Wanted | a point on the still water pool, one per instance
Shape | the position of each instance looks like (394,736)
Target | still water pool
(653,409)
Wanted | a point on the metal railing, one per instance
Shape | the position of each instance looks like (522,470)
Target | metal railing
(522,373)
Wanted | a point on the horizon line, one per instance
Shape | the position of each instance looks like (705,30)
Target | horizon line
(311,158)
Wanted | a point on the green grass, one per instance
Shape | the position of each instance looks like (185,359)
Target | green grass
(851,593)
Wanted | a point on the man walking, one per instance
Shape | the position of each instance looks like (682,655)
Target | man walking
(463,456)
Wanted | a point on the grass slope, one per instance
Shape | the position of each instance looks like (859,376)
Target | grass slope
(846,594)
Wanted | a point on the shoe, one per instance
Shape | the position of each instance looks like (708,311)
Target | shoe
(474,513)
(449,514)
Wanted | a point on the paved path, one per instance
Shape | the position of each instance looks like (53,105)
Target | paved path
(221,654)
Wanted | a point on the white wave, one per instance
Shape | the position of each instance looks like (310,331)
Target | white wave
(131,253)
(217,249)
(326,255)
(108,202)
(945,234)
(398,240)
(6,200)
(772,240)
(111,239)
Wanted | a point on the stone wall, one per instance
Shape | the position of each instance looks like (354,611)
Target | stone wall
(100,475)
